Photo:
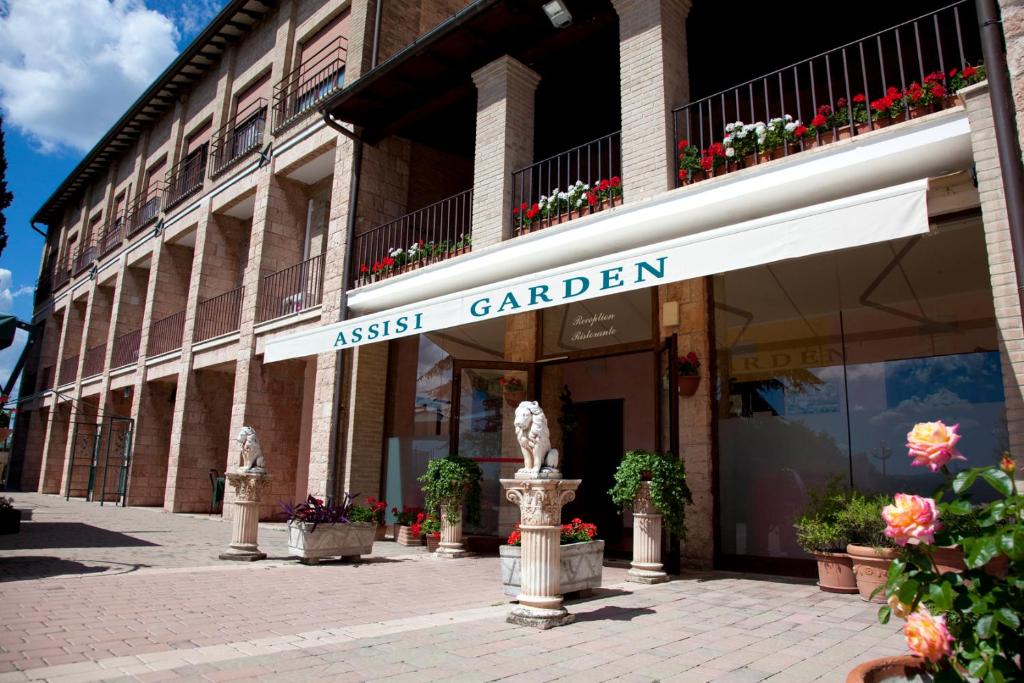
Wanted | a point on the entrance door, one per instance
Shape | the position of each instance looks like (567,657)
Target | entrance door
(593,450)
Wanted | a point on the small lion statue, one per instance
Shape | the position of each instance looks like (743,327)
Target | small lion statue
(250,457)
(534,439)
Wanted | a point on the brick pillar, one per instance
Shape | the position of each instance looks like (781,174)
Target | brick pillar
(653,79)
(54,447)
(695,416)
(504,143)
(1000,259)
(34,422)
(1013,31)
(364,402)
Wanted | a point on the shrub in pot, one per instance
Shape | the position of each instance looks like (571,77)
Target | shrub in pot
(667,480)
(450,484)
(430,528)
(820,533)
(869,548)
(319,529)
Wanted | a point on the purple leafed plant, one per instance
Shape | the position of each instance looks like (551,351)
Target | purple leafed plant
(315,511)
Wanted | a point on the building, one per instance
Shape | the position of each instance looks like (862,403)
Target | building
(333,222)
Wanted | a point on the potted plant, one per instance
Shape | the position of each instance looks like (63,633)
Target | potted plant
(10,518)
(451,484)
(713,159)
(688,380)
(869,548)
(513,390)
(581,553)
(403,530)
(969,75)
(958,626)
(430,528)
(374,513)
(317,530)
(820,533)
(689,162)
(664,474)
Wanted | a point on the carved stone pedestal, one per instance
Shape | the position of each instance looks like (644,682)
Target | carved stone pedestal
(540,505)
(646,566)
(246,525)
(450,546)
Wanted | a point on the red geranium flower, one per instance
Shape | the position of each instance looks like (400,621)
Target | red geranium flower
(592,196)
(800,131)
(363,269)
(819,121)
(824,110)
(683,144)
(707,163)
(859,98)
(616,181)
(969,71)
(938,91)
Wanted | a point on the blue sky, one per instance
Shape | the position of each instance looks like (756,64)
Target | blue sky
(68,69)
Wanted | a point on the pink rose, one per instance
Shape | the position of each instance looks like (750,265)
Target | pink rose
(933,444)
(927,635)
(911,518)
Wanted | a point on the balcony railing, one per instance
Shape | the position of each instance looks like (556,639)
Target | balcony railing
(218,315)
(434,233)
(238,138)
(143,210)
(165,335)
(292,290)
(84,256)
(113,235)
(186,178)
(94,358)
(574,183)
(309,84)
(898,74)
(126,349)
(69,369)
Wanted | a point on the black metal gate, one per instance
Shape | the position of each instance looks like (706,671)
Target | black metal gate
(100,458)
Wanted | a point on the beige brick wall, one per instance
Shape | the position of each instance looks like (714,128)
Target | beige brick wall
(364,399)
(153,411)
(34,422)
(504,143)
(1013,31)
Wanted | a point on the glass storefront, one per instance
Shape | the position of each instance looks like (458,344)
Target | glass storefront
(825,363)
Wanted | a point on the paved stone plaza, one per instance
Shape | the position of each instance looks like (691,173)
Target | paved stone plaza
(91,593)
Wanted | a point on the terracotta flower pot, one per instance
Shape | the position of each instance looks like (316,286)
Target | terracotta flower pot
(835,573)
(870,566)
(950,101)
(432,542)
(890,669)
(843,133)
(379,534)
(688,384)
(514,398)
(949,558)
(921,110)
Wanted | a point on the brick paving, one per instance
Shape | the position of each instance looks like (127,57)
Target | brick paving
(134,594)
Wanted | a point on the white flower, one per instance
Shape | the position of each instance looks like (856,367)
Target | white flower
(727,140)
(742,133)
(730,127)
(730,152)
(788,117)
(790,127)
(579,183)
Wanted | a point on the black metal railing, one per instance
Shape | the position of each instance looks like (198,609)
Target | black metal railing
(218,315)
(434,233)
(68,369)
(113,235)
(241,136)
(186,178)
(61,273)
(309,84)
(94,358)
(85,254)
(165,334)
(567,185)
(292,290)
(126,349)
(890,76)
(143,210)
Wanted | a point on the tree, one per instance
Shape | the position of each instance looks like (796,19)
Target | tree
(5,197)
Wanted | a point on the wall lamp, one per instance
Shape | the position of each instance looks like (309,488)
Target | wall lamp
(558,13)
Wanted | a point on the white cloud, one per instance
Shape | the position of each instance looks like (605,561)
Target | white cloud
(192,17)
(7,294)
(70,68)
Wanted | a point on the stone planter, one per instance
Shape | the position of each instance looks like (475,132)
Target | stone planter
(835,573)
(890,670)
(404,536)
(329,540)
(870,566)
(580,568)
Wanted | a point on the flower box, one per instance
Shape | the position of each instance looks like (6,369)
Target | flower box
(404,536)
(329,540)
(581,565)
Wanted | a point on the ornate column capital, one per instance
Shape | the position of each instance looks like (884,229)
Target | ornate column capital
(540,500)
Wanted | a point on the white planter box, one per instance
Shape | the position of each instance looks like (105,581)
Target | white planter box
(580,567)
(330,540)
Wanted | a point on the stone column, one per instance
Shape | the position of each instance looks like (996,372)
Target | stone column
(646,564)
(504,143)
(540,504)
(246,519)
(451,537)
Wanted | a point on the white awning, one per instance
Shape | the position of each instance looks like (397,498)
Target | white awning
(885,214)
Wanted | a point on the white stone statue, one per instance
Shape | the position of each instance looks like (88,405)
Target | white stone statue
(535,439)
(250,457)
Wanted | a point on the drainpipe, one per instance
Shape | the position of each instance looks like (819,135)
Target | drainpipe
(1007,143)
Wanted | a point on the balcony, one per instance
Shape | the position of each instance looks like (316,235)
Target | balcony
(291,290)
(143,211)
(68,370)
(218,315)
(300,91)
(94,358)
(239,138)
(186,178)
(126,349)
(165,334)
(61,273)
(112,235)
(432,234)
(46,379)
(893,76)
(578,182)
(85,254)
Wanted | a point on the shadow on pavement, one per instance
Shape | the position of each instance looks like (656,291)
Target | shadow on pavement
(613,613)
(39,535)
(26,567)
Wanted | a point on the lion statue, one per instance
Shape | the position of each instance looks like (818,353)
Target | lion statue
(534,439)
(251,454)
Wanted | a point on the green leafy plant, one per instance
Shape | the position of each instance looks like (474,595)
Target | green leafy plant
(967,624)
(818,528)
(453,481)
(861,520)
(669,492)
(360,513)
(431,526)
